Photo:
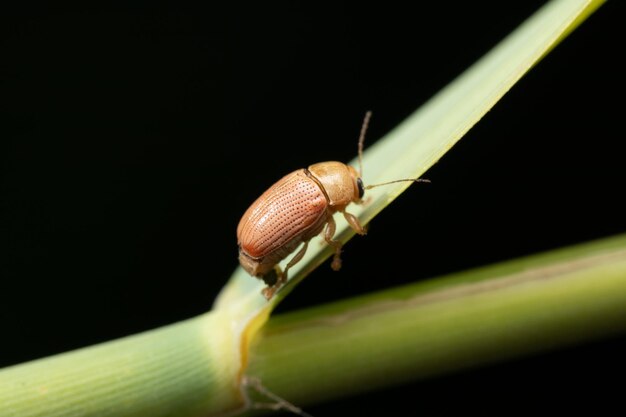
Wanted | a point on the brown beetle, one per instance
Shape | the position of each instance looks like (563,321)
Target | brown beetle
(293,211)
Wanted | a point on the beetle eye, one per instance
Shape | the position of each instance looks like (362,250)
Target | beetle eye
(359,183)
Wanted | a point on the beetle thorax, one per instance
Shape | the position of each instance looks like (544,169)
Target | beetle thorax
(338,181)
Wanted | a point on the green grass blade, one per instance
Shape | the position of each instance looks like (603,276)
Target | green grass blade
(421,140)
(417,144)
(446,324)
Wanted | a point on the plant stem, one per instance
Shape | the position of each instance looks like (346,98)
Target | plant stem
(443,325)
(186,369)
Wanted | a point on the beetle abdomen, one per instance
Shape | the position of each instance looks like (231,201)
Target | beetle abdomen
(283,215)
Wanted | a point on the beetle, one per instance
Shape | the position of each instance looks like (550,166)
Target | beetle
(297,208)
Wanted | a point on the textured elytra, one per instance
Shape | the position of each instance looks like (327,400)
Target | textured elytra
(285,212)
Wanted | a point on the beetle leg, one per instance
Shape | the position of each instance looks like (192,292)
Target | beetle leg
(328,237)
(354,223)
(268,292)
(293,261)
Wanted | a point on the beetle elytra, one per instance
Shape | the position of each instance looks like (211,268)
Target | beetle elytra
(297,208)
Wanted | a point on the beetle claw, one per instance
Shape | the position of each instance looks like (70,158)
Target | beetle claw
(268,292)
(336,263)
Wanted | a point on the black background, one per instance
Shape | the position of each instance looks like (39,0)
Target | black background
(133,140)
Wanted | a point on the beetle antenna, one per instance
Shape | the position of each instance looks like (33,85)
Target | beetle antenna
(369,187)
(366,122)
